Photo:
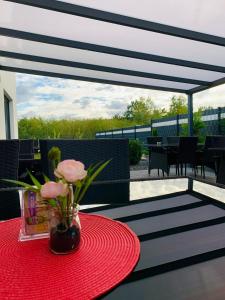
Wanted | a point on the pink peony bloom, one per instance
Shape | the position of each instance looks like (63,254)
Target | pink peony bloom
(54,189)
(71,170)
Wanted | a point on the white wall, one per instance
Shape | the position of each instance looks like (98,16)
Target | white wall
(8,88)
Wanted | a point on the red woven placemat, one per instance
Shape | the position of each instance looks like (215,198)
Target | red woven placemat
(108,252)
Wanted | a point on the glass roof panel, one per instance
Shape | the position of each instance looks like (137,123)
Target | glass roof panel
(102,59)
(106,38)
(15,63)
(205,16)
(55,24)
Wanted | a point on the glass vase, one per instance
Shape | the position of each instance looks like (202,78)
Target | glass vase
(65,231)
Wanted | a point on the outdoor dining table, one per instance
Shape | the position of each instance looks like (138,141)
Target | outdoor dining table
(108,252)
(182,256)
(169,145)
(217,150)
(163,145)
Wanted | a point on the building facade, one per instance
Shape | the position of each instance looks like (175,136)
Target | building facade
(8,119)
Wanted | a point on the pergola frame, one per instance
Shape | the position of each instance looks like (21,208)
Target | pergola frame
(114,18)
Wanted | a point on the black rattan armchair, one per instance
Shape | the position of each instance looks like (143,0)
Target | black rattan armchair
(186,153)
(174,140)
(181,155)
(9,160)
(161,158)
(221,170)
(208,157)
(152,140)
(93,151)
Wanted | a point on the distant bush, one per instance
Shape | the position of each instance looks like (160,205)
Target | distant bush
(38,128)
(198,126)
(135,152)
(154,132)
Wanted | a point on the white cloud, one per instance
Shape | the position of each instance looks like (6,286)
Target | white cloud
(213,97)
(62,98)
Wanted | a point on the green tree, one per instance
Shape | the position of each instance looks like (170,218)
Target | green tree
(142,110)
(78,129)
(198,125)
(178,106)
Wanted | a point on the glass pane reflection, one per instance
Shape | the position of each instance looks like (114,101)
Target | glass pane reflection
(153,188)
(209,190)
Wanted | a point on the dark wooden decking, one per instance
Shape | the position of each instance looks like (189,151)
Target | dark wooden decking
(182,247)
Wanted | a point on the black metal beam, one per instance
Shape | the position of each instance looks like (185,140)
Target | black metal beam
(89,79)
(73,64)
(114,18)
(190,114)
(108,50)
(203,88)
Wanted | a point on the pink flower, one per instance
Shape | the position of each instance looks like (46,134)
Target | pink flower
(71,170)
(54,189)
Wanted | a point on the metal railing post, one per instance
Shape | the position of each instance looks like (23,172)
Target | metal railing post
(190,184)
(219,120)
(151,126)
(190,114)
(178,126)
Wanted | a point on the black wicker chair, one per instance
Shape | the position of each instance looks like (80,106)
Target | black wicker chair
(221,170)
(161,158)
(9,160)
(186,153)
(152,140)
(183,154)
(173,140)
(208,158)
(93,151)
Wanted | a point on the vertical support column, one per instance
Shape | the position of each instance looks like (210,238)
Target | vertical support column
(151,126)
(112,134)
(178,126)
(190,114)
(190,184)
(122,132)
(219,120)
(135,133)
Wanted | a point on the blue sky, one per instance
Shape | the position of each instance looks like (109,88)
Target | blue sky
(62,98)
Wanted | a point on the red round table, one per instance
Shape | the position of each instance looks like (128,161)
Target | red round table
(108,252)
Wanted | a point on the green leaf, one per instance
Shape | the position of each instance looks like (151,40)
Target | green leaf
(77,191)
(82,183)
(34,180)
(46,178)
(52,202)
(93,167)
(23,184)
(91,178)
